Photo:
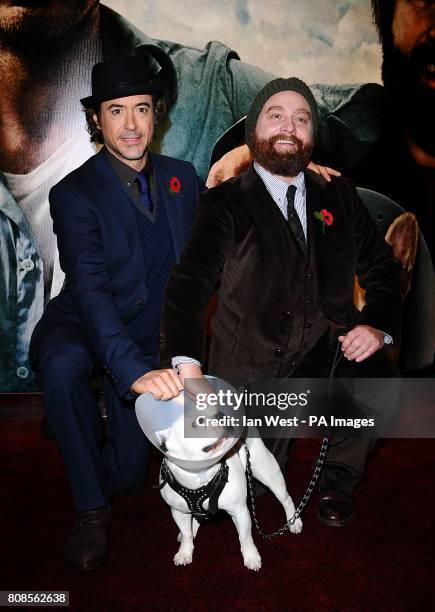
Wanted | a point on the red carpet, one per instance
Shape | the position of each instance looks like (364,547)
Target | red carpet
(383,561)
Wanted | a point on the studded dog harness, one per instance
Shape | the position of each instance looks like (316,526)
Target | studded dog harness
(195,498)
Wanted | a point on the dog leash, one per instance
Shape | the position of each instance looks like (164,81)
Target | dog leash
(310,488)
(305,498)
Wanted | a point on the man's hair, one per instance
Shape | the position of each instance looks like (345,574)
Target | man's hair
(159,108)
(383,13)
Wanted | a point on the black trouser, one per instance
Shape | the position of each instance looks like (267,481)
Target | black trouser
(346,458)
(99,463)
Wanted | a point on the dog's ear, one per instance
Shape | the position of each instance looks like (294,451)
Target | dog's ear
(403,236)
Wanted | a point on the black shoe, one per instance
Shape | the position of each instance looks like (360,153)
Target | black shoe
(86,548)
(335,509)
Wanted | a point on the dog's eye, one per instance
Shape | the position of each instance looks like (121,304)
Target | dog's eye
(163,446)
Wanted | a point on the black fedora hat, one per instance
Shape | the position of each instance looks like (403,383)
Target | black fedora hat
(149,71)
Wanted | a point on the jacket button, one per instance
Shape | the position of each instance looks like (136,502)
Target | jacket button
(309,301)
(293,363)
(22,372)
(26,265)
(279,352)
(308,324)
(287,314)
(310,275)
(141,302)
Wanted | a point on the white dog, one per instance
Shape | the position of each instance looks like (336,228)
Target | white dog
(232,499)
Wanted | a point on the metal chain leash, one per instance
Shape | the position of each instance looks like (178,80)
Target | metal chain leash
(302,503)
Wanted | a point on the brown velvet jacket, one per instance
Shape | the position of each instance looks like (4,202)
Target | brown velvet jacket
(241,243)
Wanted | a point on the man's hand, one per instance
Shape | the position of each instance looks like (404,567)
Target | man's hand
(189,370)
(361,342)
(323,171)
(229,165)
(194,382)
(163,384)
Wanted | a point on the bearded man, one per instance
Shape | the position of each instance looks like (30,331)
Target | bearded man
(286,245)
(383,138)
(407,130)
(363,126)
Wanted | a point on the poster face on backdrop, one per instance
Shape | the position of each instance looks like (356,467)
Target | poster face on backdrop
(48,50)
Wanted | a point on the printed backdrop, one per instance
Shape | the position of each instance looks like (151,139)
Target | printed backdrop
(323,41)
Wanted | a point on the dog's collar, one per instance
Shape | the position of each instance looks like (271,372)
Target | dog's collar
(195,498)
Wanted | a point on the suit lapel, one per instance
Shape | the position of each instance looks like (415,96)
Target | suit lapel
(265,212)
(111,194)
(172,202)
(267,218)
(111,191)
(318,198)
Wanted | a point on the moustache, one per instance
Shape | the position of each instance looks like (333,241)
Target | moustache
(423,54)
(286,138)
(130,134)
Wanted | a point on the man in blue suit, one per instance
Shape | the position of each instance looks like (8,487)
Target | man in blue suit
(121,220)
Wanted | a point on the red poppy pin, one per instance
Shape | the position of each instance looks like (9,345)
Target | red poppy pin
(174,185)
(325,217)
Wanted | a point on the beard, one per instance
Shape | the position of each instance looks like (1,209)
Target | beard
(413,102)
(281,163)
(39,25)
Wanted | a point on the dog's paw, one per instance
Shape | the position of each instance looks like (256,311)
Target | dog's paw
(183,557)
(252,560)
(297,526)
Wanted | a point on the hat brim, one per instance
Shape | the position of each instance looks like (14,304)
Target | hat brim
(120,91)
(232,138)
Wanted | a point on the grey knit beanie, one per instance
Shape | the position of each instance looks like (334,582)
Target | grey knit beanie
(273,87)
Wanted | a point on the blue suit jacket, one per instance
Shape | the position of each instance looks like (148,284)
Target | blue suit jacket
(102,257)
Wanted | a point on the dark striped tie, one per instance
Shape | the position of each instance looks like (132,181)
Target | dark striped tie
(145,197)
(293,219)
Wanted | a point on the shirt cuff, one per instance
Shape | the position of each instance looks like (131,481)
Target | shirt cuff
(388,339)
(179,359)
